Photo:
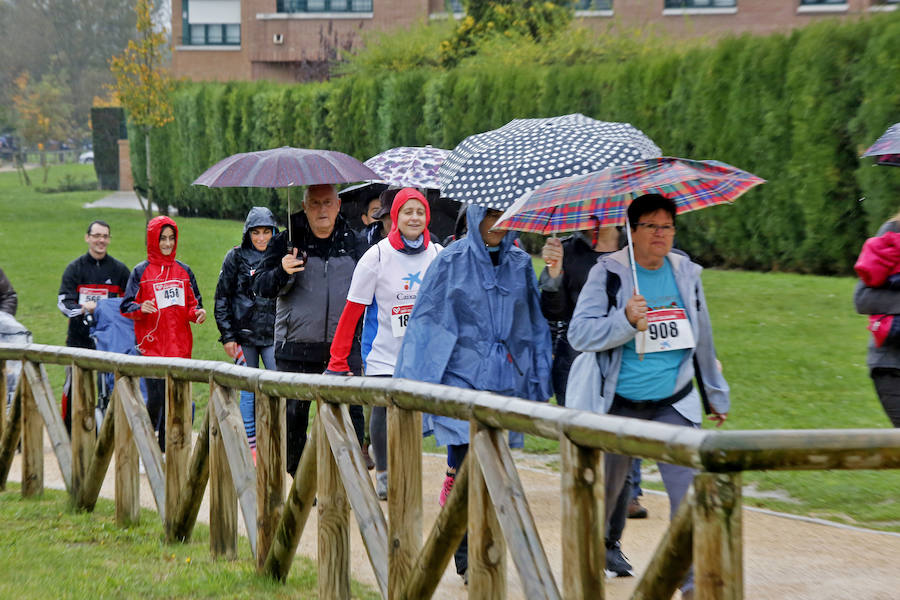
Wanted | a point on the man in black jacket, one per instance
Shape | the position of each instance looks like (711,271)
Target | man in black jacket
(310,275)
(90,277)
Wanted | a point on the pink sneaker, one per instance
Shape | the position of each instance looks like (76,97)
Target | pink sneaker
(445,491)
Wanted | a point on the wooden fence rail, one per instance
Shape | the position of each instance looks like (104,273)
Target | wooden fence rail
(487,499)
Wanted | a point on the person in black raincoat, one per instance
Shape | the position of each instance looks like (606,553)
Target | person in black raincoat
(246,321)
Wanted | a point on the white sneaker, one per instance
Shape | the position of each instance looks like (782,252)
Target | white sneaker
(381,485)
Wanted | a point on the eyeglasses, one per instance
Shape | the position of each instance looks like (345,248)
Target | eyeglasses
(99,236)
(653,228)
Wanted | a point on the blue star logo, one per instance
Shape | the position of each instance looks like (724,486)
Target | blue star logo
(412,279)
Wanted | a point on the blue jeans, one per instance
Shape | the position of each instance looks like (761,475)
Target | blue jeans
(252,354)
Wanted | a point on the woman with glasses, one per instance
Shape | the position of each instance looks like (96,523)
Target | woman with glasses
(646,374)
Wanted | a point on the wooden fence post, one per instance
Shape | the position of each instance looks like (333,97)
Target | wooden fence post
(583,528)
(103,451)
(237,450)
(334,521)
(487,548)
(3,397)
(672,558)
(446,534)
(32,443)
(270,468)
(222,497)
(513,513)
(296,511)
(84,428)
(404,428)
(718,549)
(48,412)
(178,445)
(128,483)
(11,435)
(191,494)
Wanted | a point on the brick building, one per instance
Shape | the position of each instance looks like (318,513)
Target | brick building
(293,40)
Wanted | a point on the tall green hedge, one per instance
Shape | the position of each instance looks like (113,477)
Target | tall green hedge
(795,109)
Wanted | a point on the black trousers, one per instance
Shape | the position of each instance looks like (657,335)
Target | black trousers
(887,385)
(297,412)
(156,408)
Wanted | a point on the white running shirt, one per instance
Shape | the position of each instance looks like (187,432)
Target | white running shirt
(387,281)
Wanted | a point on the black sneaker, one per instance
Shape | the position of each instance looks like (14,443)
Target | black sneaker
(616,563)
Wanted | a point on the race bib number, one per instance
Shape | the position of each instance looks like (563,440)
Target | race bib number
(169,293)
(667,329)
(91,294)
(400,318)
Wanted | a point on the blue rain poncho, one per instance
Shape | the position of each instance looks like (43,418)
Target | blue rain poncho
(478,326)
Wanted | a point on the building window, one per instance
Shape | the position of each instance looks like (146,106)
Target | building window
(821,2)
(700,4)
(211,22)
(307,6)
(593,5)
(455,7)
(212,35)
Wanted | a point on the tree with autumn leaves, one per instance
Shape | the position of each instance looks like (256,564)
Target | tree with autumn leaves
(144,85)
(45,115)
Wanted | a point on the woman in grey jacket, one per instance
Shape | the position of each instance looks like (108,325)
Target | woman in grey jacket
(651,378)
(883,361)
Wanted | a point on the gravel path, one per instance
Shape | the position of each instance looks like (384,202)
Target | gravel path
(785,557)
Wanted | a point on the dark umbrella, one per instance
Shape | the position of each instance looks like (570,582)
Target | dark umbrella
(497,167)
(355,199)
(285,167)
(887,147)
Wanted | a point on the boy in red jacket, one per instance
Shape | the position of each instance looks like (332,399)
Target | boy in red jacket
(162,297)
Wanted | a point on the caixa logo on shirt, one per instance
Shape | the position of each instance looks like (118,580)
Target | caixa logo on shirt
(411,280)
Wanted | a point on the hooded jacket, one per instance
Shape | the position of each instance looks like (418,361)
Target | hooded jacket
(241,315)
(600,332)
(309,303)
(478,326)
(171,286)
(880,301)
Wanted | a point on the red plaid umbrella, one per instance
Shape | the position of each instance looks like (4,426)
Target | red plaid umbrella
(886,149)
(602,197)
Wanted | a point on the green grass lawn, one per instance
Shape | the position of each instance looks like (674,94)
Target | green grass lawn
(792,347)
(50,551)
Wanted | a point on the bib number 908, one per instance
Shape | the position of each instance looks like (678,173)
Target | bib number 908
(662,331)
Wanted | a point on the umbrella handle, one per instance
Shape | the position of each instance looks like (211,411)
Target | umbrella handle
(641,325)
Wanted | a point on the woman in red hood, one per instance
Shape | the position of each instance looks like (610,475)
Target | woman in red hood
(162,298)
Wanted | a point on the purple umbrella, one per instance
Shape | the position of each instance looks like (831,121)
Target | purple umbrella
(285,167)
(887,147)
(409,166)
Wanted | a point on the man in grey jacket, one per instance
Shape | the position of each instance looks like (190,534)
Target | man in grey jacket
(646,375)
(310,275)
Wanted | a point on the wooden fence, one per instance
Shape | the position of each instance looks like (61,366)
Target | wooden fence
(487,498)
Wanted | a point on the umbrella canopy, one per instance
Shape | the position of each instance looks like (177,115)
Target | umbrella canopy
(601,198)
(497,167)
(285,167)
(407,166)
(887,147)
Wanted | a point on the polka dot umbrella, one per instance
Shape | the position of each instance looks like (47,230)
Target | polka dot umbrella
(495,168)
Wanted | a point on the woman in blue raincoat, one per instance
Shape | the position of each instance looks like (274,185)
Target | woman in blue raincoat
(477,324)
